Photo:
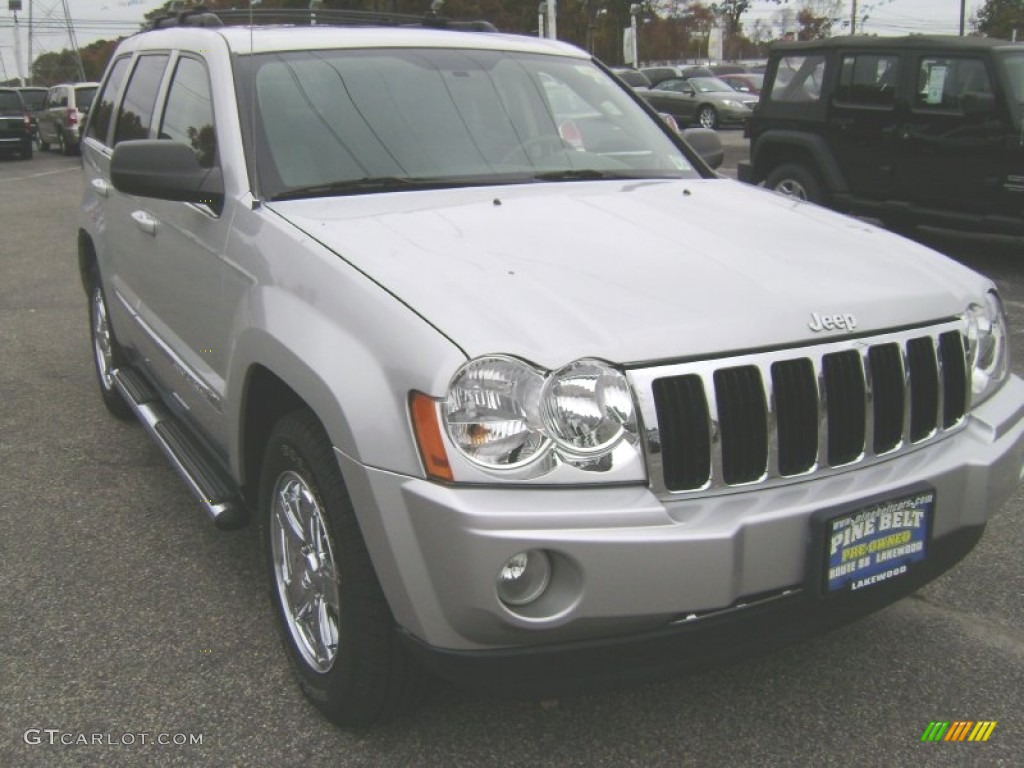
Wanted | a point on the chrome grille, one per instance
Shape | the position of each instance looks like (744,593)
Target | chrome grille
(791,413)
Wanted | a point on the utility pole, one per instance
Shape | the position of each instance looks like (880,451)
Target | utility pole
(963,15)
(50,15)
(853,19)
(14,6)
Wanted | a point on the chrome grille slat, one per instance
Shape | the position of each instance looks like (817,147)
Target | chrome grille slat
(781,416)
(869,402)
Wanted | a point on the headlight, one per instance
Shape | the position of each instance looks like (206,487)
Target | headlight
(988,352)
(587,407)
(502,413)
(492,413)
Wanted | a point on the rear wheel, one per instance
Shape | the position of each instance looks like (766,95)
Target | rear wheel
(796,180)
(337,627)
(62,143)
(106,352)
(42,146)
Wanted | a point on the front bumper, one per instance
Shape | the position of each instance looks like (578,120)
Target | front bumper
(740,632)
(730,114)
(635,570)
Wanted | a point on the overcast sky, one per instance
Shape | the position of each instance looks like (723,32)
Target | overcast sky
(98,19)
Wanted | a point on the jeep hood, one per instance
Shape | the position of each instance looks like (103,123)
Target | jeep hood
(632,272)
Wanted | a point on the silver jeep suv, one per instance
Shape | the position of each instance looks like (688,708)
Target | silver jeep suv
(474,337)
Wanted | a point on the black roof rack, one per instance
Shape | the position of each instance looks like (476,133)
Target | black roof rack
(203,17)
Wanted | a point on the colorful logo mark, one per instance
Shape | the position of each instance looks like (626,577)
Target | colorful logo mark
(959,730)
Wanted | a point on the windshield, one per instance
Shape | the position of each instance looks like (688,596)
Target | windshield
(331,122)
(1015,69)
(710,85)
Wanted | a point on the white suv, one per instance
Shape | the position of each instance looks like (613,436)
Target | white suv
(476,339)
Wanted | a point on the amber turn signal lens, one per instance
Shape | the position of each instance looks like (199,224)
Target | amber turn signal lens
(428,437)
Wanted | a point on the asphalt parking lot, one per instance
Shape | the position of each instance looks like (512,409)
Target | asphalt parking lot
(129,622)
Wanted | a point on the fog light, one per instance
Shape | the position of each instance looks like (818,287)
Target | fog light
(524,577)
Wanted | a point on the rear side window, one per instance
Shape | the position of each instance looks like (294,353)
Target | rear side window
(868,80)
(99,123)
(84,94)
(188,115)
(798,78)
(136,112)
(942,82)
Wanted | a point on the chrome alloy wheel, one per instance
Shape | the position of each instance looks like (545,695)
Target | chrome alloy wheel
(305,571)
(791,188)
(102,343)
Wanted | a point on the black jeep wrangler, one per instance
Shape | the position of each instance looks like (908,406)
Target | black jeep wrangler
(911,130)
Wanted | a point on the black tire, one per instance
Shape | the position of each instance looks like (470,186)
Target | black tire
(366,676)
(796,180)
(707,117)
(42,146)
(26,152)
(62,143)
(106,353)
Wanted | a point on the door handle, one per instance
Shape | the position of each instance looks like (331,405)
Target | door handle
(101,186)
(145,222)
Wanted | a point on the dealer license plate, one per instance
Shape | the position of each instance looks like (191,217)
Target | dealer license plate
(870,544)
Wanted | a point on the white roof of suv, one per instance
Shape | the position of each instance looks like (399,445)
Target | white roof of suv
(245,40)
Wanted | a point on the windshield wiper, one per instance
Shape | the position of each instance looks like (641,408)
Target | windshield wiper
(580,174)
(370,184)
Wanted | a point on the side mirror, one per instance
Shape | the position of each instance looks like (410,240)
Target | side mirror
(166,170)
(706,143)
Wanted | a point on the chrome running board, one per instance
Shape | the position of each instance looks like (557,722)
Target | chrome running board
(216,493)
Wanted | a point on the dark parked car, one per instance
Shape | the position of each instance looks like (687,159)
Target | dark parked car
(913,130)
(727,69)
(15,125)
(705,101)
(35,100)
(61,120)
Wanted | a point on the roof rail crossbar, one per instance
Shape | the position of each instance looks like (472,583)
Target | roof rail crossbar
(202,17)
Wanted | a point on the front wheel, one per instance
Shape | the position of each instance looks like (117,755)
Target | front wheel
(707,117)
(797,181)
(337,628)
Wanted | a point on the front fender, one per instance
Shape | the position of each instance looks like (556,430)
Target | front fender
(808,143)
(348,348)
